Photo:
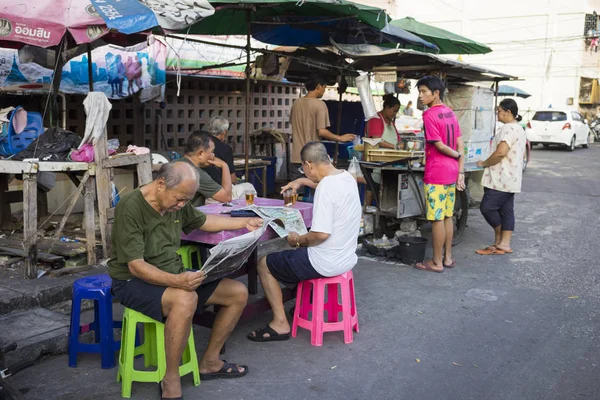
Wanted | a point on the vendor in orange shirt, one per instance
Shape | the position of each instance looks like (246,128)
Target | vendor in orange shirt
(383,127)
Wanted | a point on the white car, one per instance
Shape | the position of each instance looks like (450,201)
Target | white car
(558,127)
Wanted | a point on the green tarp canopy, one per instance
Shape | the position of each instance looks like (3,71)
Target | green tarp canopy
(231,16)
(448,42)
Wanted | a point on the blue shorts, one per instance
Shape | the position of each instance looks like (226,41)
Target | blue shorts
(292,266)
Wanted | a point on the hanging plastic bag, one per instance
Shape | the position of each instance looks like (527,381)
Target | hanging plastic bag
(114,195)
(84,154)
(366,97)
(354,168)
(112,146)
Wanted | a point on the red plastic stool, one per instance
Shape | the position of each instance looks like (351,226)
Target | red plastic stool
(317,325)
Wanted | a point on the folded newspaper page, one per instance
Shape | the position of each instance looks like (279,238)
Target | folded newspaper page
(229,255)
(291,218)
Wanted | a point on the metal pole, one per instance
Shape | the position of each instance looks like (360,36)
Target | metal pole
(247,114)
(338,128)
(90,73)
(495,105)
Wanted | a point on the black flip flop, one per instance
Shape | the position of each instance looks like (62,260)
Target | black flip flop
(273,335)
(223,373)
(166,398)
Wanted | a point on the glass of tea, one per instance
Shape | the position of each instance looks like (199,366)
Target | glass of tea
(250,197)
(289,198)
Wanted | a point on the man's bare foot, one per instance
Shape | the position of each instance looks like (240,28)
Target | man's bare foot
(171,387)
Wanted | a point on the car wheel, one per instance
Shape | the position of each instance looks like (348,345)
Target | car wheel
(572,145)
(586,145)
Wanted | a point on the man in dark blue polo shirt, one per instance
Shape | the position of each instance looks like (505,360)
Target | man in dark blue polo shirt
(218,128)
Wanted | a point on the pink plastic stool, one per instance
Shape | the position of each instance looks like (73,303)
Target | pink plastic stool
(317,308)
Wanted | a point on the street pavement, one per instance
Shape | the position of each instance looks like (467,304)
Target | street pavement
(520,326)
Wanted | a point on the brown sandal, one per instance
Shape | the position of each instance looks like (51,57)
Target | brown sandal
(491,250)
(426,266)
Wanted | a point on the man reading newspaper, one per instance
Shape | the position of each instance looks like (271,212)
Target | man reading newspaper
(148,276)
(329,249)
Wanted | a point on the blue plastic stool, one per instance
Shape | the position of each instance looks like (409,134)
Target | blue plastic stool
(95,288)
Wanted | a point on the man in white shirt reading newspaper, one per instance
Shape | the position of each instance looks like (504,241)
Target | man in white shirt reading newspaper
(329,249)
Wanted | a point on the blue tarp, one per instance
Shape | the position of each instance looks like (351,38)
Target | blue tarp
(126,16)
(306,31)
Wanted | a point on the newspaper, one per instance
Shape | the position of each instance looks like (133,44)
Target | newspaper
(290,217)
(229,255)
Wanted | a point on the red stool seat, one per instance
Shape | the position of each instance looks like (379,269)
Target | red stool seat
(317,307)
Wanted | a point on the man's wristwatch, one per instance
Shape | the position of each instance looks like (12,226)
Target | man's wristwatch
(459,156)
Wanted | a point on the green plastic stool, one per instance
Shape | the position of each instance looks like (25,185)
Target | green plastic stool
(186,253)
(153,350)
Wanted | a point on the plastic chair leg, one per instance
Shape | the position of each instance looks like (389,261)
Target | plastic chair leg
(332,306)
(95,326)
(74,331)
(307,300)
(316,337)
(347,318)
(353,311)
(107,339)
(126,359)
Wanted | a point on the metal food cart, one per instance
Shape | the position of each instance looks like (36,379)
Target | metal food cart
(400,194)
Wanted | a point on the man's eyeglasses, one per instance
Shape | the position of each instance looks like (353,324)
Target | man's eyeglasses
(301,168)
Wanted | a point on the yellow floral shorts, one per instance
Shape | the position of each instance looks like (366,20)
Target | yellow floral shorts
(440,201)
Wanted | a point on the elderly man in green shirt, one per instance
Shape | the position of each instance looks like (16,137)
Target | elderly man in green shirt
(200,153)
(148,275)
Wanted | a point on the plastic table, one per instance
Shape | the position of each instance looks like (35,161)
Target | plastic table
(270,242)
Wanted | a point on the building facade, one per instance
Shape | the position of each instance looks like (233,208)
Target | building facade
(552,45)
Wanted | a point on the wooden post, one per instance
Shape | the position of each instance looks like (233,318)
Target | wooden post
(338,129)
(88,219)
(144,171)
(5,215)
(247,114)
(103,189)
(30,224)
(90,71)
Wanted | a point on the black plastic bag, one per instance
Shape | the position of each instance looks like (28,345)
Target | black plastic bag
(53,145)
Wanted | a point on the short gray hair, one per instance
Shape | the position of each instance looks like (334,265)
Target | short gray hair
(217,125)
(315,152)
(176,172)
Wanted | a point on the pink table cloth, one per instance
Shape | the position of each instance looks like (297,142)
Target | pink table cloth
(217,237)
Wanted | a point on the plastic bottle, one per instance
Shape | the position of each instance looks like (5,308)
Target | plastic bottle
(384,240)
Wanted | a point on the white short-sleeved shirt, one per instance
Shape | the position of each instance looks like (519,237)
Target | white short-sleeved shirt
(336,211)
(506,176)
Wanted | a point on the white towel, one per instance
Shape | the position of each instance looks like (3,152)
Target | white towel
(97,108)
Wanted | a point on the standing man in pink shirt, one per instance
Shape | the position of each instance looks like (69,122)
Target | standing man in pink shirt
(444,170)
